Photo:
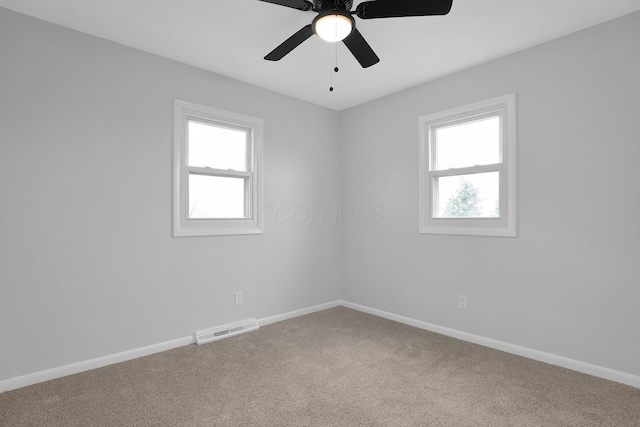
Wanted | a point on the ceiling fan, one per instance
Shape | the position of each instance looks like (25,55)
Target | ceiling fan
(335,22)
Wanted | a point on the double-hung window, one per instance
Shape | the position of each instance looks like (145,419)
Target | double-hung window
(217,172)
(468,169)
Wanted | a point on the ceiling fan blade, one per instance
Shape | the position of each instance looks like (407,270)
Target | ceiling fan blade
(400,8)
(289,44)
(361,49)
(296,4)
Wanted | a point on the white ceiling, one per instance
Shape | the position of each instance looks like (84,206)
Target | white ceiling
(230,37)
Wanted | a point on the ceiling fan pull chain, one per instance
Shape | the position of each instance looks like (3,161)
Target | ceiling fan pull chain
(336,69)
(332,47)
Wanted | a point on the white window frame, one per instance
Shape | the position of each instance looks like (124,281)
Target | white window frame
(184,226)
(506,224)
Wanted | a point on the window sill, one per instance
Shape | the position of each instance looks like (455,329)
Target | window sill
(476,230)
(217,231)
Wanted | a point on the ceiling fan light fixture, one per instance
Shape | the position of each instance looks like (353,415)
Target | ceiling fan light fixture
(333,27)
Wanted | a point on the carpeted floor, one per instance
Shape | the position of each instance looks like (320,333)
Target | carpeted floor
(338,367)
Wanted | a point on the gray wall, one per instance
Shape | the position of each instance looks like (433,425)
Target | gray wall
(88,266)
(570,283)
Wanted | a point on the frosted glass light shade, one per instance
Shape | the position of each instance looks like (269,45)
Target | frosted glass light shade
(333,28)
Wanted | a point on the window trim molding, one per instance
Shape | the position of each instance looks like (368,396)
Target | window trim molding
(500,227)
(184,227)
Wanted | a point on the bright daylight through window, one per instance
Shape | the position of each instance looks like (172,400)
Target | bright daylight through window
(217,165)
(468,169)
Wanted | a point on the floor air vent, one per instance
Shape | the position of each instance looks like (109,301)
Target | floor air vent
(207,335)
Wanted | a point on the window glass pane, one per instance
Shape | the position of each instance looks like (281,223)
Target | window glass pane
(217,147)
(468,144)
(468,196)
(216,197)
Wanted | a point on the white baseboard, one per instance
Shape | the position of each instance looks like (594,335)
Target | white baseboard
(86,365)
(74,368)
(552,359)
(296,313)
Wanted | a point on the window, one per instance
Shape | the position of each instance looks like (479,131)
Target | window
(217,172)
(468,169)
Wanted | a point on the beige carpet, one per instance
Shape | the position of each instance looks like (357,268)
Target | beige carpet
(338,367)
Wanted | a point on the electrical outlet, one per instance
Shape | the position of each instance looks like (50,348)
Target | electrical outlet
(462,302)
(239,298)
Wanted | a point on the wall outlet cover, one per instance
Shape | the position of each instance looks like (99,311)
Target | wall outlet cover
(462,302)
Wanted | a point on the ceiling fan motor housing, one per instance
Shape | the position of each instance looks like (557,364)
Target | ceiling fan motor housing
(322,5)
